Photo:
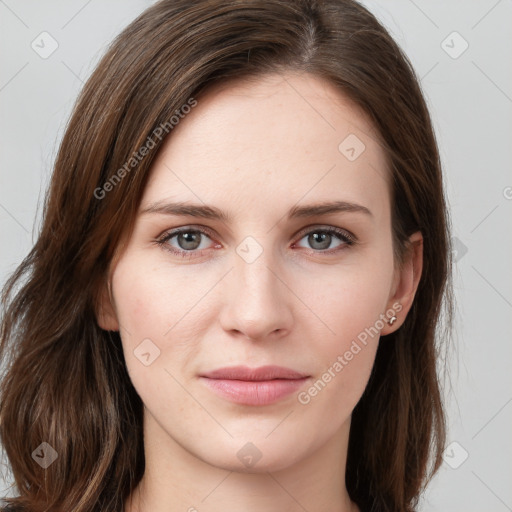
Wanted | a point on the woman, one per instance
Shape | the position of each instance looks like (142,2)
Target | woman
(234,300)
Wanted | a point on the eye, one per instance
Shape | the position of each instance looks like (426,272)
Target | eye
(189,242)
(321,239)
(185,242)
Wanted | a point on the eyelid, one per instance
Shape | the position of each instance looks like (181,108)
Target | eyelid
(323,227)
(172,232)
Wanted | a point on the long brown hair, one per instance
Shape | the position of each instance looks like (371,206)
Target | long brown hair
(65,381)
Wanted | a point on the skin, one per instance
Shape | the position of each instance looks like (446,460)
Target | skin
(255,149)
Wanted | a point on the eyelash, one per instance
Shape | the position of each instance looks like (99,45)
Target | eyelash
(346,237)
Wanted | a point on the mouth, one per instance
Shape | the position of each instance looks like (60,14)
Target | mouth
(254,386)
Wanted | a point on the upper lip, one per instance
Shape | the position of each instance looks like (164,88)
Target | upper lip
(254,374)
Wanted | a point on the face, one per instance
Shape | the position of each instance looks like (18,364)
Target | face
(283,257)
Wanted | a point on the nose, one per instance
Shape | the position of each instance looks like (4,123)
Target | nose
(257,301)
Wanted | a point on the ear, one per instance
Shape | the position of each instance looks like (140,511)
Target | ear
(405,283)
(105,311)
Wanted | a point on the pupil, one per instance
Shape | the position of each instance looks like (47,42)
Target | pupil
(189,239)
(322,238)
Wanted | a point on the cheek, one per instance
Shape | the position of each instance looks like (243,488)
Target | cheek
(161,313)
(346,356)
(147,310)
(139,303)
(351,306)
(152,299)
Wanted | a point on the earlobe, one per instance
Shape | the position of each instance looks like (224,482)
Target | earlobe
(405,284)
(105,313)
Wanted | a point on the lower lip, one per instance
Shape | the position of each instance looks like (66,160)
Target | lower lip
(263,392)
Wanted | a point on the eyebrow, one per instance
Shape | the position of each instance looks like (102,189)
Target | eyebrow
(211,212)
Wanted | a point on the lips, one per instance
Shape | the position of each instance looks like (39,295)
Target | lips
(254,386)
(254,374)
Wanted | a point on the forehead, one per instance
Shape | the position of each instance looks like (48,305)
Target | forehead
(252,142)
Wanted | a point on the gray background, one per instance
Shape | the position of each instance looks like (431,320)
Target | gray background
(470,97)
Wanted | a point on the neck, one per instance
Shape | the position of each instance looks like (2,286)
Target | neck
(177,480)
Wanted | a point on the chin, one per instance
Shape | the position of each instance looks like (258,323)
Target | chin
(258,455)
(262,466)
